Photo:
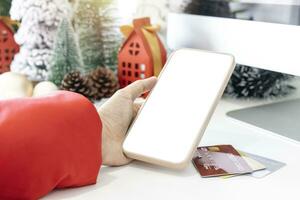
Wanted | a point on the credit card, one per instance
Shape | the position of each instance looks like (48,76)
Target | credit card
(254,164)
(271,165)
(220,160)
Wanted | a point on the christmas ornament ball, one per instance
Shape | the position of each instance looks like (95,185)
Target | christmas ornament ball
(44,88)
(14,85)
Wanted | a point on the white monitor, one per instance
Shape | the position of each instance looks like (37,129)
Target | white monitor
(271,46)
(262,34)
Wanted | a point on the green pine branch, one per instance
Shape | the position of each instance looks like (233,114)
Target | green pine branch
(5,7)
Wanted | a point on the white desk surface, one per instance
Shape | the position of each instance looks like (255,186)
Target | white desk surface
(143,181)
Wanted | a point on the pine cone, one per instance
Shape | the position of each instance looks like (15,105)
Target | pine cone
(74,82)
(104,83)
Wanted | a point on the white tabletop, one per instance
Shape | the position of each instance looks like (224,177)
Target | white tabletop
(144,181)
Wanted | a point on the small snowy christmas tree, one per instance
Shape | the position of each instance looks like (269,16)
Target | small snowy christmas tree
(66,57)
(112,37)
(98,36)
(36,35)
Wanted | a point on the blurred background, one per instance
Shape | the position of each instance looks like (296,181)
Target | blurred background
(78,42)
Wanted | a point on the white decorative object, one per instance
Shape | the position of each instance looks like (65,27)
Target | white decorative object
(36,35)
(13,85)
(44,88)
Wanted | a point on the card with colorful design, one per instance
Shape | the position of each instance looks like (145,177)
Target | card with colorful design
(220,160)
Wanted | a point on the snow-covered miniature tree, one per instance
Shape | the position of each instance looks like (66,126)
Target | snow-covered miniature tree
(88,27)
(36,35)
(98,34)
(66,57)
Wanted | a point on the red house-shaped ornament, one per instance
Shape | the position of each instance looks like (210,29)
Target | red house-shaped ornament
(142,54)
(8,47)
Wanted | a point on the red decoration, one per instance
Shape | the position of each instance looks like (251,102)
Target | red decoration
(8,47)
(142,55)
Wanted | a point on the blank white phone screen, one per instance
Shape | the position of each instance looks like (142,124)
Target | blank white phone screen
(172,121)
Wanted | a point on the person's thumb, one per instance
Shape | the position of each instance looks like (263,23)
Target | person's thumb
(139,87)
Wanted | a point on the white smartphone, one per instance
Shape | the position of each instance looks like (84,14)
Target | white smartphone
(169,126)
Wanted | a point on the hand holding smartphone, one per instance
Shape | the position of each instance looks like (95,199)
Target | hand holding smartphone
(172,121)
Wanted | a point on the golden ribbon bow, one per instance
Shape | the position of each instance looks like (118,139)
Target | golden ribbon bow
(149,33)
(9,22)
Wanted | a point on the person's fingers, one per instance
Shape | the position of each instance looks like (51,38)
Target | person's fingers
(136,108)
(139,87)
